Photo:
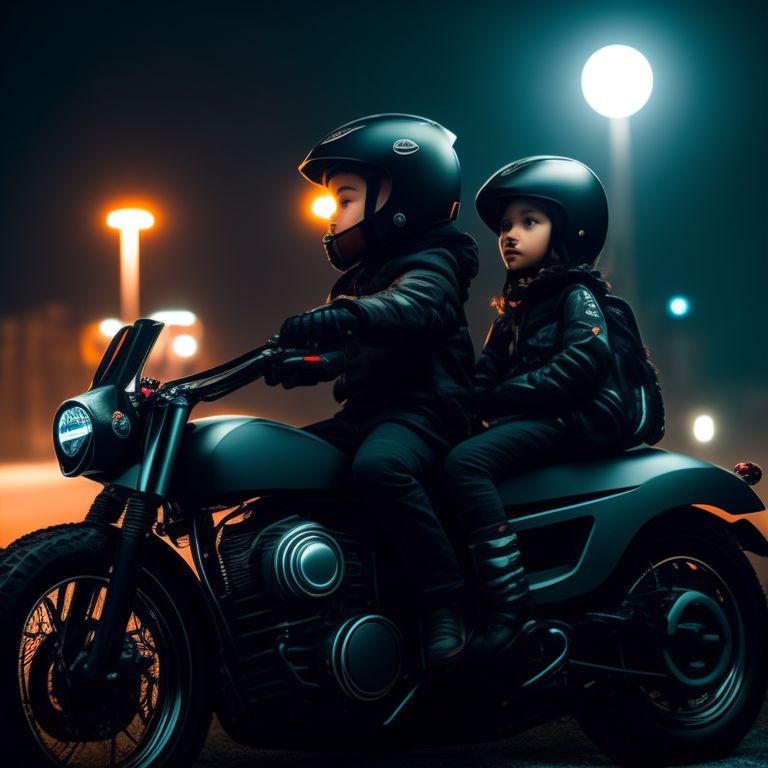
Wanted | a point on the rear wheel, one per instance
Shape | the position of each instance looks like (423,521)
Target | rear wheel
(708,663)
(154,712)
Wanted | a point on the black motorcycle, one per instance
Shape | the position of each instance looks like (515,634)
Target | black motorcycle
(297,629)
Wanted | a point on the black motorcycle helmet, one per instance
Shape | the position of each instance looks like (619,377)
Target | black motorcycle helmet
(567,183)
(414,153)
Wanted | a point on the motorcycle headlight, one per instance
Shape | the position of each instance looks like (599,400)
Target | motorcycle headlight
(74,430)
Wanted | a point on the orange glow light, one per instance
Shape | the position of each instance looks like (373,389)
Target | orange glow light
(129,221)
(324,206)
(130,218)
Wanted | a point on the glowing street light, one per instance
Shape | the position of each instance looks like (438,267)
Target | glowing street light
(129,221)
(324,207)
(616,82)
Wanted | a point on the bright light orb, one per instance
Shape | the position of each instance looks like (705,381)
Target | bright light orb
(175,317)
(324,207)
(617,81)
(109,327)
(185,345)
(703,428)
(130,218)
(679,306)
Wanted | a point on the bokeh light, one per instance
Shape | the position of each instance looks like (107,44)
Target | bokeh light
(704,428)
(679,306)
(175,317)
(185,345)
(617,81)
(110,327)
(324,207)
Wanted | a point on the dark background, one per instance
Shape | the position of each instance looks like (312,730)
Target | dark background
(203,111)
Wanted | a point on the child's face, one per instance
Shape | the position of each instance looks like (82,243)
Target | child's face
(524,234)
(349,189)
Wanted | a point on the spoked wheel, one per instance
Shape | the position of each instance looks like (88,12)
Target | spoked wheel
(153,710)
(702,639)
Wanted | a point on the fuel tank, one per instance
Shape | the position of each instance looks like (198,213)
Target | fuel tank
(230,458)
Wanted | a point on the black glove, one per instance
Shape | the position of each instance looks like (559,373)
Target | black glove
(324,328)
(304,370)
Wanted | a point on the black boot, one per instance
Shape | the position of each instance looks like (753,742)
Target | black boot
(503,591)
(444,637)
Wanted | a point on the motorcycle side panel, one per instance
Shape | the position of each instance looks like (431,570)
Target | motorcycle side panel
(617,496)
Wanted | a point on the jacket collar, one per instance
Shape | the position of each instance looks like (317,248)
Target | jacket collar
(550,280)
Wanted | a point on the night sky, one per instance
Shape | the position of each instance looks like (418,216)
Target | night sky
(203,111)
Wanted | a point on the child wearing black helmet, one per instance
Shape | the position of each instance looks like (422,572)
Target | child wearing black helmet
(397,313)
(544,383)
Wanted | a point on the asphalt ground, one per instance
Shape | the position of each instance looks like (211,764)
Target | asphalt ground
(560,744)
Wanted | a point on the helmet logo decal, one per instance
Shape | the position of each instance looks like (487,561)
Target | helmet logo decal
(405,147)
(341,132)
(512,167)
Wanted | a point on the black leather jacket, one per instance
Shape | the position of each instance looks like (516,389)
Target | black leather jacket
(412,359)
(550,355)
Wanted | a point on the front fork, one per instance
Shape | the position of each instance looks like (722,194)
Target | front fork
(163,439)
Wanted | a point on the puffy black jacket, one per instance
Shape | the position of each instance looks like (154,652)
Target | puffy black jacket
(413,350)
(550,355)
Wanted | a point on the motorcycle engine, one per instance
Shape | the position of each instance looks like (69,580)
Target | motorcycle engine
(303,609)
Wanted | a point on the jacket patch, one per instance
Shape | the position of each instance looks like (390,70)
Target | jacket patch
(596,330)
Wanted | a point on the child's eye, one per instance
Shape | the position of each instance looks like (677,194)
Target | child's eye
(505,225)
(530,221)
(343,203)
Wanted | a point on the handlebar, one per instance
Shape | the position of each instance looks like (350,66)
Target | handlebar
(223,379)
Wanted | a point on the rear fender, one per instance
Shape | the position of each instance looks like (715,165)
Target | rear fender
(609,525)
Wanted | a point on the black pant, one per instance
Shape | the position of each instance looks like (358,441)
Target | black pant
(390,463)
(474,467)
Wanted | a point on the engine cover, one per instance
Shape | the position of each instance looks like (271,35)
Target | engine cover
(367,657)
(307,562)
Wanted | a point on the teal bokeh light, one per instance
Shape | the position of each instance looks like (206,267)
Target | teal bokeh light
(679,306)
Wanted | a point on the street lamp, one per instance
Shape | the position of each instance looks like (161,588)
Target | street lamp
(617,82)
(129,221)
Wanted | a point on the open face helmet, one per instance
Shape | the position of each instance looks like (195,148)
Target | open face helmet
(570,185)
(416,155)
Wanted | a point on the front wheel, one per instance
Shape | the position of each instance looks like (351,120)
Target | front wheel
(154,712)
(709,663)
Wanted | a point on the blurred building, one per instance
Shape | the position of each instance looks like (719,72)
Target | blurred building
(40,366)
